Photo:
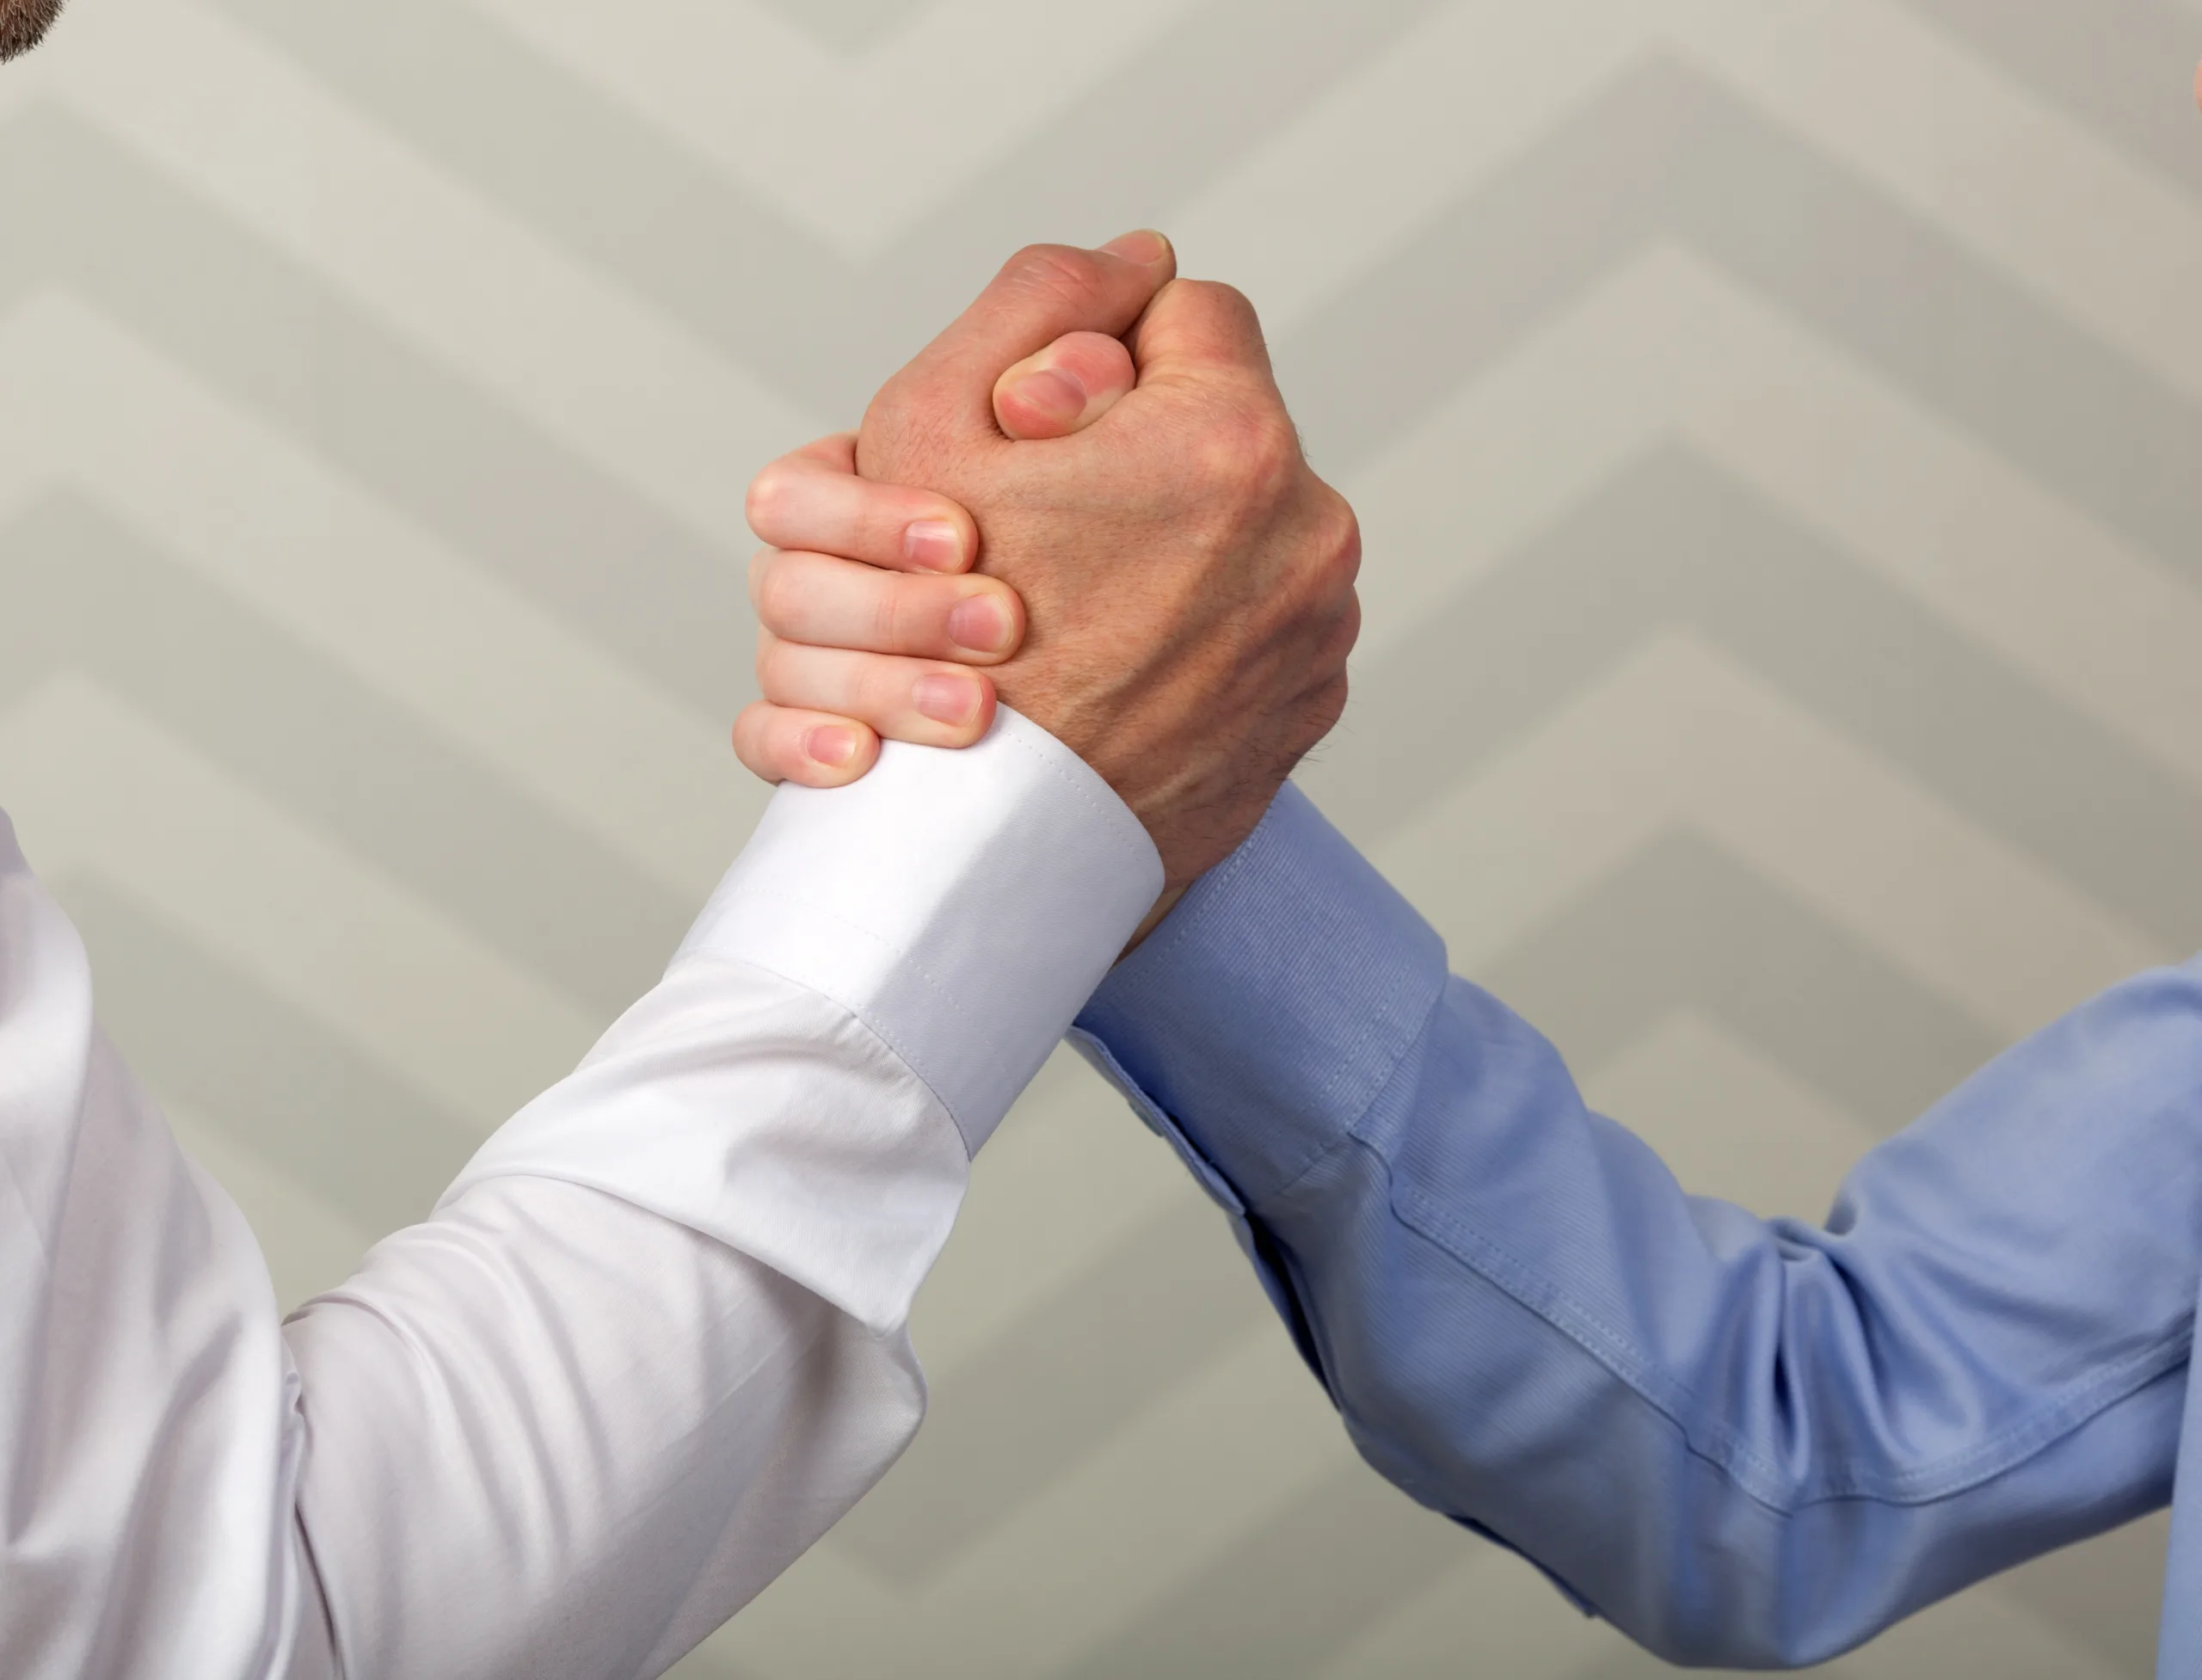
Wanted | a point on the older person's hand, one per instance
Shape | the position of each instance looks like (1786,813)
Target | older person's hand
(1189,580)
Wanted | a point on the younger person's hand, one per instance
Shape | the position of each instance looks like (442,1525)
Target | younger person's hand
(866,589)
(872,622)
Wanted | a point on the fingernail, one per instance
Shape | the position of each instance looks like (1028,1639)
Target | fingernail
(947,699)
(1052,392)
(979,625)
(936,545)
(1146,247)
(831,747)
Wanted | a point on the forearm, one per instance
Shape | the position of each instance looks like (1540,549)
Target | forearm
(652,1343)
(548,1431)
(602,1429)
(649,1345)
(598,1435)
(1746,1444)
(1743,1443)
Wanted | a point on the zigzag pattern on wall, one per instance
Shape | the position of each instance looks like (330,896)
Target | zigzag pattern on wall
(1778,436)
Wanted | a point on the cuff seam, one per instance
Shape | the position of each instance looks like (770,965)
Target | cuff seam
(1084,792)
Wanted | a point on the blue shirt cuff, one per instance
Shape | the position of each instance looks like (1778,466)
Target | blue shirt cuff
(1264,1016)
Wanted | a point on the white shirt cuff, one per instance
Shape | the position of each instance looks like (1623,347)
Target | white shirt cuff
(962,905)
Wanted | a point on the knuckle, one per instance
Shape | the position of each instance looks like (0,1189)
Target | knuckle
(1062,271)
(1338,639)
(1331,703)
(1228,314)
(889,408)
(1349,629)
(777,592)
(1273,447)
(1321,712)
(896,611)
(1341,526)
(1317,570)
(1222,299)
(878,687)
(767,500)
(1334,645)
(1251,453)
(1269,445)
(776,670)
(1338,545)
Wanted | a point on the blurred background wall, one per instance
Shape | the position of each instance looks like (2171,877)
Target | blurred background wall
(1779,433)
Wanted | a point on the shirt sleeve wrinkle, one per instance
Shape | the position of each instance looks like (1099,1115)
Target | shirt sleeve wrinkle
(649,1346)
(1806,1366)
(1786,1481)
(1530,1325)
(893,1038)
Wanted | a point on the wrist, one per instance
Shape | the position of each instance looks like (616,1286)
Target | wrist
(962,904)
(1157,916)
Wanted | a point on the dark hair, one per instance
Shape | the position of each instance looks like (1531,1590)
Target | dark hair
(23,23)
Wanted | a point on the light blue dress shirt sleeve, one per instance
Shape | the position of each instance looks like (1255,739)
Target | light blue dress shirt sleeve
(1744,1441)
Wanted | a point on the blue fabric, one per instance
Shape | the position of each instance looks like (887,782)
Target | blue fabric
(1746,1443)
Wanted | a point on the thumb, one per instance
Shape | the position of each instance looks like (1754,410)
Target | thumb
(1044,293)
(1066,388)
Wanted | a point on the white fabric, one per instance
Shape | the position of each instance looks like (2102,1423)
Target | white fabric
(649,1347)
(938,871)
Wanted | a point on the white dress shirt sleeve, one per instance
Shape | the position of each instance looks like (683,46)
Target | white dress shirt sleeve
(649,1346)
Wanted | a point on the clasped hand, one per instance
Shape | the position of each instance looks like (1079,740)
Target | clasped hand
(1086,498)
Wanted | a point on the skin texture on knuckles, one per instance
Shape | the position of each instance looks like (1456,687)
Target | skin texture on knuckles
(819,600)
(811,498)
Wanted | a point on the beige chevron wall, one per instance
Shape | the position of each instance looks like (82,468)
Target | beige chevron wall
(1778,425)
